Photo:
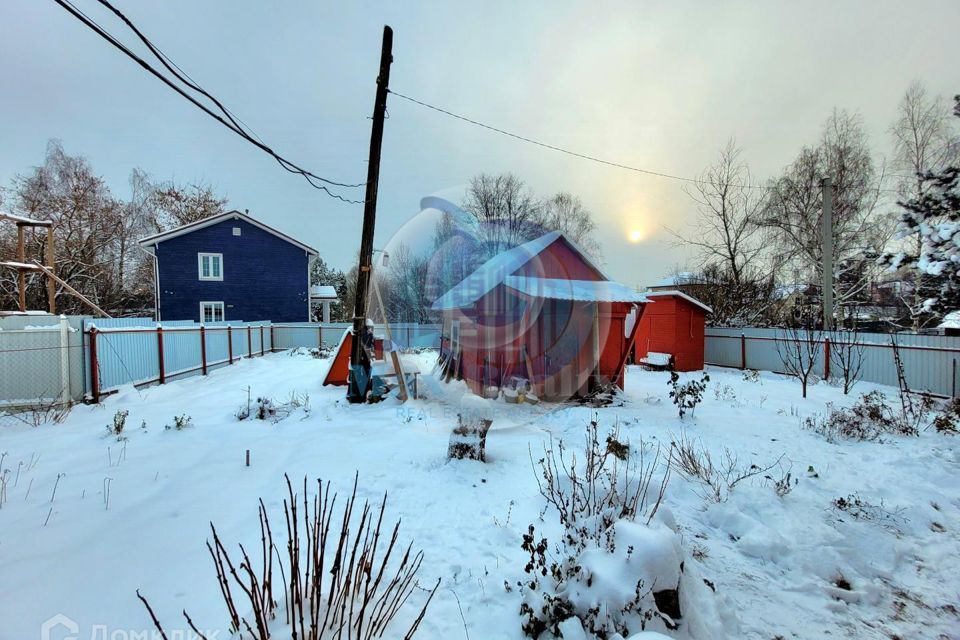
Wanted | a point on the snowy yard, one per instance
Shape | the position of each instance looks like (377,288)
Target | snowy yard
(87,520)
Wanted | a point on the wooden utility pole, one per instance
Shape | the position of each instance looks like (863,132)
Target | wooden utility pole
(826,232)
(370,205)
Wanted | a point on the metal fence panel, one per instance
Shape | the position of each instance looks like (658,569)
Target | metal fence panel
(930,362)
(290,335)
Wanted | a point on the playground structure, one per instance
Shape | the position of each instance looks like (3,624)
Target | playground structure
(23,267)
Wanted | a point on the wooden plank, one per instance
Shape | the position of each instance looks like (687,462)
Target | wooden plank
(402,394)
(51,274)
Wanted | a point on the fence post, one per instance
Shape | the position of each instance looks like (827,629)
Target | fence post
(94,367)
(743,351)
(320,337)
(203,349)
(261,340)
(163,373)
(229,344)
(826,357)
(64,360)
(249,342)
(271,339)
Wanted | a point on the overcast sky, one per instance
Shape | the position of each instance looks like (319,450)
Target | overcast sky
(660,85)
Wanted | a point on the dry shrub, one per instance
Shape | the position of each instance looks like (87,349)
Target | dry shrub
(340,577)
(867,420)
(718,478)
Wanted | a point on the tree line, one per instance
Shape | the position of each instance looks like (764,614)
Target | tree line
(95,232)
(759,243)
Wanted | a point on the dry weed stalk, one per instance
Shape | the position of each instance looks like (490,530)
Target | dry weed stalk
(335,581)
(718,479)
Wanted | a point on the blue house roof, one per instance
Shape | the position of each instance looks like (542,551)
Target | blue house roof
(151,241)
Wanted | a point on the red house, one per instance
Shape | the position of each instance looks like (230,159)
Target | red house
(673,323)
(543,312)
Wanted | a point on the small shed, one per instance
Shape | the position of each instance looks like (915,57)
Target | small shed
(673,323)
(542,312)
(324,295)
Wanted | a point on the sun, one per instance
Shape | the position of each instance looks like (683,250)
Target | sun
(635,235)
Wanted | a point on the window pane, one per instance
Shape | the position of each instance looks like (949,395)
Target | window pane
(216,266)
(205,266)
(218,313)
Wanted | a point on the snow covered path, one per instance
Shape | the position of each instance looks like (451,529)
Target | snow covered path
(775,562)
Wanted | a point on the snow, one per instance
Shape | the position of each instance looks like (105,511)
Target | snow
(24,220)
(579,290)
(493,272)
(775,563)
(684,277)
(679,294)
(951,320)
(656,359)
(323,291)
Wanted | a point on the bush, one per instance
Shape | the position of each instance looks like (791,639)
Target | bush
(689,394)
(600,577)
(867,420)
(180,423)
(717,479)
(119,422)
(948,420)
(336,574)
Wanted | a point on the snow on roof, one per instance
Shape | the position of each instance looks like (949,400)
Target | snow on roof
(220,217)
(684,277)
(678,294)
(493,272)
(951,320)
(323,291)
(23,220)
(579,290)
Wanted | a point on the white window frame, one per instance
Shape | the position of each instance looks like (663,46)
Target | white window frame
(200,257)
(214,304)
(454,335)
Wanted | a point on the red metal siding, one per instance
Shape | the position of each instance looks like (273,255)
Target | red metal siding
(559,260)
(675,326)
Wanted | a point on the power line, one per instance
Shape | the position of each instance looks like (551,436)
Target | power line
(232,123)
(583,156)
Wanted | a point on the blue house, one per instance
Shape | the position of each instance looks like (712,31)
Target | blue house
(230,267)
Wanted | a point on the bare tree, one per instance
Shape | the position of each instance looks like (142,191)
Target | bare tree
(793,210)
(178,205)
(846,354)
(726,232)
(744,302)
(564,212)
(799,350)
(925,140)
(504,208)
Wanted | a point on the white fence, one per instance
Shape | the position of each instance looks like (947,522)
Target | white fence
(41,360)
(930,362)
(46,359)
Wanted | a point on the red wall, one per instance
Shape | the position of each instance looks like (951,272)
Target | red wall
(670,324)
(559,260)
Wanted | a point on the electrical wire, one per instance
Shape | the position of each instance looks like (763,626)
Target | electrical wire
(231,122)
(583,156)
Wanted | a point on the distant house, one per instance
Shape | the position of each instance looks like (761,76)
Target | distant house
(230,267)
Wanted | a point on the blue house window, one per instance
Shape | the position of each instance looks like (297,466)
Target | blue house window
(211,312)
(210,266)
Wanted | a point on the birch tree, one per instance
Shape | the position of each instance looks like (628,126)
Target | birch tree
(793,209)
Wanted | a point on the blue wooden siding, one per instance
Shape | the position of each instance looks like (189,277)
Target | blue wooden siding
(264,276)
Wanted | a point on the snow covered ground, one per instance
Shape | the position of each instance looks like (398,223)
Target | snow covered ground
(781,567)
